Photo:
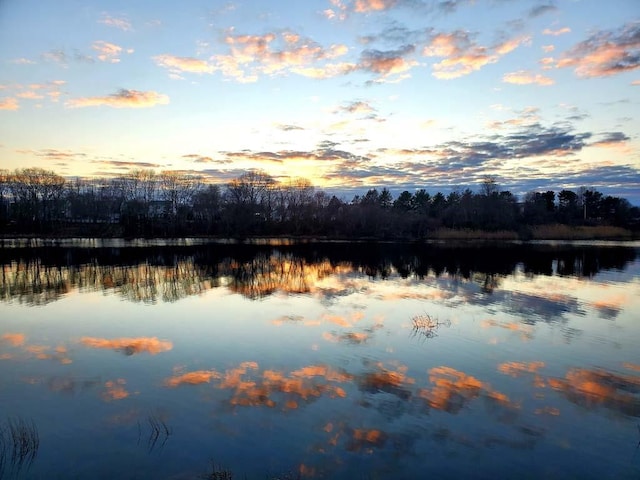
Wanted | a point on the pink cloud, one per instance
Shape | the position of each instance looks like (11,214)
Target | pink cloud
(122,99)
(9,104)
(523,77)
(605,53)
(115,22)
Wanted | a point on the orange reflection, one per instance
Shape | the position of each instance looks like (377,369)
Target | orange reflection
(129,346)
(354,338)
(516,369)
(343,321)
(593,388)
(525,331)
(363,439)
(40,352)
(192,378)
(454,389)
(388,381)
(306,471)
(266,274)
(14,339)
(613,303)
(547,411)
(328,373)
(114,390)
(631,366)
(271,387)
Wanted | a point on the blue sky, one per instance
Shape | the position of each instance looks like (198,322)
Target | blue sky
(350,94)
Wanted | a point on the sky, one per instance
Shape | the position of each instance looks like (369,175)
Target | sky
(349,94)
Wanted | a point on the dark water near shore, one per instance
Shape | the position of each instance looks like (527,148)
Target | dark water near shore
(334,360)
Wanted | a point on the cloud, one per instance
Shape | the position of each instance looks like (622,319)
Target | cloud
(539,10)
(278,53)
(463,55)
(123,98)
(179,65)
(358,106)
(126,165)
(362,6)
(53,154)
(611,139)
(338,12)
(9,103)
(289,128)
(108,52)
(30,95)
(23,61)
(196,158)
(387,62)
(523,77)
(555,33)
(56,56)
(605,53)
(121,23)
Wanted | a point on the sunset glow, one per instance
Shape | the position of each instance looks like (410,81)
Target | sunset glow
(350,94)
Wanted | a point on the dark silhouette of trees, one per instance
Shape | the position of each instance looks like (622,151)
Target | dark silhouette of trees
(145,203)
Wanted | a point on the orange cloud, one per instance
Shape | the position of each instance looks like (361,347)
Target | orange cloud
(463,55)
(555,33)
(122,99)
(362,6)
(129,346)
(115,22)
(523,77)
(276,53)
(605,53)
(9,104)
(183,64)
(14,339)
(108,52)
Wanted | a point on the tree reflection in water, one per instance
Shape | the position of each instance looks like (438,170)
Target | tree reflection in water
(37,276)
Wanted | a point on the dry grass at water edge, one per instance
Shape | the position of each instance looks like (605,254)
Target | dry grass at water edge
(566,232)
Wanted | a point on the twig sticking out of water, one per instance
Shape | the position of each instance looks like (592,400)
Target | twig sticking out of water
(158,431)
(425,326)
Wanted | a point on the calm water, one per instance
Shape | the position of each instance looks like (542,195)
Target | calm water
(319,361)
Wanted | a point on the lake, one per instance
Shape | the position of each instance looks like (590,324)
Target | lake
(186,360)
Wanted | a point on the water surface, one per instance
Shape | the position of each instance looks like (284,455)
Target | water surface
(332,360)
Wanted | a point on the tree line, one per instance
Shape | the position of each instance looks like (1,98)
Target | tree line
(169,203)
